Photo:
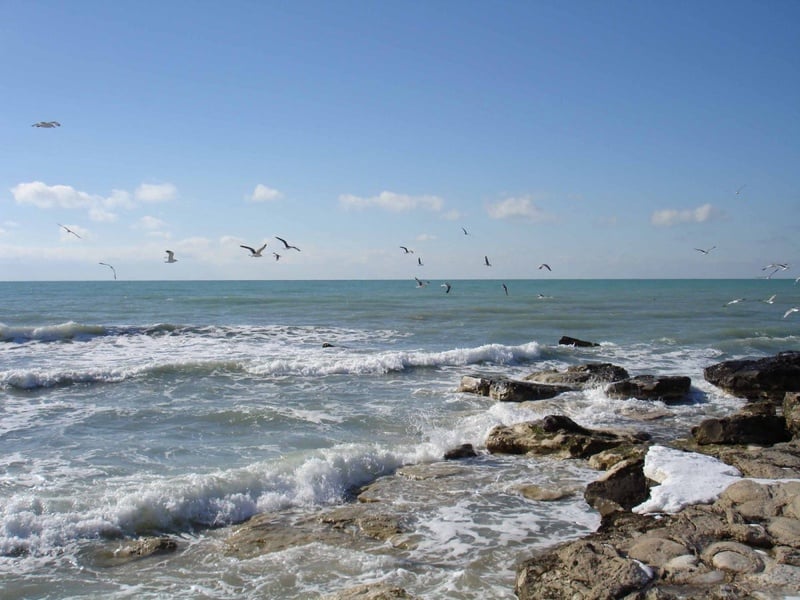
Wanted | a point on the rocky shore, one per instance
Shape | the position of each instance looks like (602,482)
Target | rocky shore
(738,538)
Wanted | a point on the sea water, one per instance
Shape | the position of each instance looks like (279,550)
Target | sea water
(132,408)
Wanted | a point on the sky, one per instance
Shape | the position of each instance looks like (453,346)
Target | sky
(605,139)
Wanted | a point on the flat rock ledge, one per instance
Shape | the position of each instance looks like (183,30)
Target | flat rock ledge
(745,545)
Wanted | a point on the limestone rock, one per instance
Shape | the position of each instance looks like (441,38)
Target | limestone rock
(556,435)
(649,387)
(791,412)
(742,429)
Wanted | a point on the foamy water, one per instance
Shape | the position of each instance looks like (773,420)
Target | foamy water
(195,405)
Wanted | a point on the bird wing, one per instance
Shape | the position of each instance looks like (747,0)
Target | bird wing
(262,248)
(253,250)
(285,243)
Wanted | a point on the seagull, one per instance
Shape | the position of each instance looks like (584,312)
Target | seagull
(277,256)
(110,267)
(486,261)
(505,289)
(170,257)
(287,245)
(771,299)
(776,266)
(253,252)
(735,301)
(446,285)
(47,124)
(407,251)
(545,266)
(790,311)
(705,251)
(740,189)
(465,231)
(68,230)
(419,262)
(796,280)
(421,283)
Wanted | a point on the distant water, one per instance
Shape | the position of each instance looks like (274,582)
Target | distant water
(139,408)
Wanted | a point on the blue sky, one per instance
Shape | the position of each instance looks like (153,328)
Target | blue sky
(607,139)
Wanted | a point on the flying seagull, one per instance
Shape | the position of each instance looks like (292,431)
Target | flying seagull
(505,289)
(486,261)
(277,256)
(771,299)
(705,251)
(465,231)
(776,266)
(287,245)
(735,301)
(47,124)
(68,230)
(740,189)
(421,283)
(113,270)
(419,262)
(170,257)
(545,266)
(406,250)
(447,286)
(253,252)
(790,311)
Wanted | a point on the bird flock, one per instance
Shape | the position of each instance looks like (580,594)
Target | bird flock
(772,268)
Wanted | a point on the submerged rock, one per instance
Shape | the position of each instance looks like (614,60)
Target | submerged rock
(581,376)
(510,390)
(571,341)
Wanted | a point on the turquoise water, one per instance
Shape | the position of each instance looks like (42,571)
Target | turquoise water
(137,408)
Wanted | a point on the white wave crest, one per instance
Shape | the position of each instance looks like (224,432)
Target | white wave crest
(50,333)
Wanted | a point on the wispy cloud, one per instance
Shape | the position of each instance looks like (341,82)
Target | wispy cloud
(156,192)
(391,202)
(262,193)
(670,217)
(100,208)
(518,208)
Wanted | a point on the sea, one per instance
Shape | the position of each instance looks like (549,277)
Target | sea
(183,408)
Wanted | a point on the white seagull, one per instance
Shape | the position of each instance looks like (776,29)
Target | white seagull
(47,124)
(776,266)
(705,251)
(465,231)
(771,299)
(447,286)
(170,257)
(286,244)
(790,311)
(421,283)
(253,252)
(419,262)
(113,270)
(545,266)
(406,250)
(68,230)
(277,256)
(505,289)
(735,301)
(740,189)
(486,261)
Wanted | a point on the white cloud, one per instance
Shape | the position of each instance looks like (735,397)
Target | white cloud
(262,193)
(451,215)
(391,202)
(670,217)
(150,223)
(517,208)
(152,192)
(41,195)
(101,215)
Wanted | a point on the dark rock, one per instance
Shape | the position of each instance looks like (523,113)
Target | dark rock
(463,451)
(556,435)
(742,429)
(581,376)
(649,387)
(760,379)
(571,341)
(622,487)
